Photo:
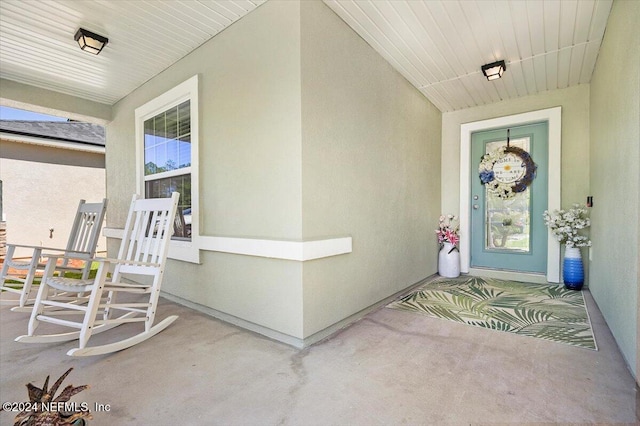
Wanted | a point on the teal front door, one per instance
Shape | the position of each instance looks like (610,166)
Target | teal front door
(509,233)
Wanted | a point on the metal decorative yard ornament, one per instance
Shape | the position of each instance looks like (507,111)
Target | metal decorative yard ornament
(45,409)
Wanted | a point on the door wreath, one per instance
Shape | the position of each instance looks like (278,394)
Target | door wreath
(507,171)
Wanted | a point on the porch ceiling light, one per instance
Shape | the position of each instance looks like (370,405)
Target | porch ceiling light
(90,42)
(494,70)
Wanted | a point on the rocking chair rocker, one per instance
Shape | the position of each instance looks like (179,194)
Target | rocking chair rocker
(82,244)
(141,258)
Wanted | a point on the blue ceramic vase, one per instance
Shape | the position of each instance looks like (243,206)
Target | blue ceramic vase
(572,269)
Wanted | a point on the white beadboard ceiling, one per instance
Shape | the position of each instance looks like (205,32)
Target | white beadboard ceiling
(145,37)
(439,46)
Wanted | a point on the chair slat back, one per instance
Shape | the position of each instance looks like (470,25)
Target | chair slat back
(86,227)
(147,233)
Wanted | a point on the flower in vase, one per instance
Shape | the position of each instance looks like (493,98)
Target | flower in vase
(447,232)
(565,225)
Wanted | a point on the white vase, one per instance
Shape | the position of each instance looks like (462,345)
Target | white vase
(449,261)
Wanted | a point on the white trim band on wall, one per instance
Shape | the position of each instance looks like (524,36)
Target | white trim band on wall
(275,249)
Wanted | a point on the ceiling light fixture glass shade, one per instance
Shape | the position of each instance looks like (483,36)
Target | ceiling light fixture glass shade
(494,70)
(90,42)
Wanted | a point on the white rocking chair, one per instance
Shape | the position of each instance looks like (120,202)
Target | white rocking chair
(82,244)
(142,257)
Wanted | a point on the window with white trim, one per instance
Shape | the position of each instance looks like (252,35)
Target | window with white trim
(167,160)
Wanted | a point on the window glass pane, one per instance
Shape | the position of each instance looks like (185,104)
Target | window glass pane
(173,161)
(508,220)
(172,123)
(162,188)
(167,138)
(149,138)
(184,118)
(158,125)
(150,162)
(184,152)
(161,157)
(168,160)
(169,134)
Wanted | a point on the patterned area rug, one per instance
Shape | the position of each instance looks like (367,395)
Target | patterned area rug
(545,311)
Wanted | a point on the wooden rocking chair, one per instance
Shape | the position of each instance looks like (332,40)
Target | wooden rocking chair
(142,257)
(82,244)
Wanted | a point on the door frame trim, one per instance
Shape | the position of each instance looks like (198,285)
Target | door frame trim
(554,117)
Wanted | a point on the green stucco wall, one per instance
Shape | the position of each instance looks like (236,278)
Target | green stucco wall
(250,178)
(615,177)
(370,169)
(305,133)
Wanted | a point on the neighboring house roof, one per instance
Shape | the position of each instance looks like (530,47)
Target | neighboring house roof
(70,131)
(64,134)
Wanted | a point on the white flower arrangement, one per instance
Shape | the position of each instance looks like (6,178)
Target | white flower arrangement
(503,190)
(566,225)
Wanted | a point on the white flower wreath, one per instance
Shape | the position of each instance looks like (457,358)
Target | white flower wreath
(487,177)
(501,188)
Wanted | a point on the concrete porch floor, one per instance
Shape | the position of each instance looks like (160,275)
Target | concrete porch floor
(391,367)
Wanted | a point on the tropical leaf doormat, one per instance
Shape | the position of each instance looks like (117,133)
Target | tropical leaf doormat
(545,311)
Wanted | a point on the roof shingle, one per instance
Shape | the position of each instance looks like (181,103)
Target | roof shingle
(69,131)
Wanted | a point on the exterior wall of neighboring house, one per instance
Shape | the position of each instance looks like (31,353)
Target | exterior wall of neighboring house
(42,187)
(50,154)
(615,179)
(297,147)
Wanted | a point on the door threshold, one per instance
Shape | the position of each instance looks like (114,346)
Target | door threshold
(510,275)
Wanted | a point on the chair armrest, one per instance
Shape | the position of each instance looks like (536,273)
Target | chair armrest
(85,253)
(103,260)
(76,255)
(124,261)
(35,247)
